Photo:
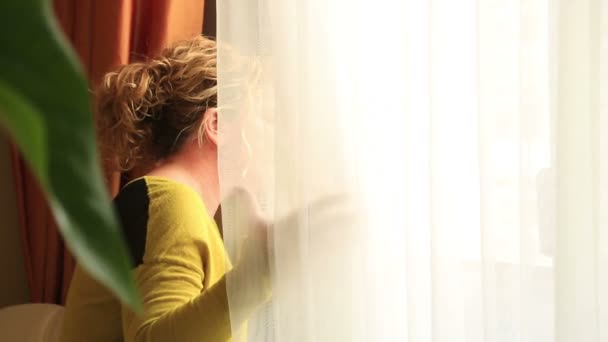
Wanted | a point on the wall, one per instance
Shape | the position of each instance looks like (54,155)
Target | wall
(13,283)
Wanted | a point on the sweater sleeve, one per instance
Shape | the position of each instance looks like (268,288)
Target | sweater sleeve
(175,309)
(181,302)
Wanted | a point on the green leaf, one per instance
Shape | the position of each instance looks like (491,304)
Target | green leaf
(44,105)
(27,128)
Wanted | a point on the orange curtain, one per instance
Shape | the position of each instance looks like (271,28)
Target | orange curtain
(47,262)
(104,33)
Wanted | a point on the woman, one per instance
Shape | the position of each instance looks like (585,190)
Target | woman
(159,119)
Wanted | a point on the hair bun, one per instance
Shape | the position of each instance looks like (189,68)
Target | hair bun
(143,108)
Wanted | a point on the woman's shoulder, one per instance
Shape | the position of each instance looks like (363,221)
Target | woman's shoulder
(157,212)
(171,202)
(153,194)
(168,191)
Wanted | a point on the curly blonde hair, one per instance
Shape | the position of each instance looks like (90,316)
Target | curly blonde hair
(146,110)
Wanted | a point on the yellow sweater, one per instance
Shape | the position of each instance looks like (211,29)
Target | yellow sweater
(180,266)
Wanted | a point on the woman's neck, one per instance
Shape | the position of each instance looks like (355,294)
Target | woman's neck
(196,168)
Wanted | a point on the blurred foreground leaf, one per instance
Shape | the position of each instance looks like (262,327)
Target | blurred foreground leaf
(44,105)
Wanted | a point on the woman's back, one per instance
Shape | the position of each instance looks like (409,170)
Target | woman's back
(178,256)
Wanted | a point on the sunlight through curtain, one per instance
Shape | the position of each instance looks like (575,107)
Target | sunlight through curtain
(435,170)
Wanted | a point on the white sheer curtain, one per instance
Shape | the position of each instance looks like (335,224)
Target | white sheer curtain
(443,166)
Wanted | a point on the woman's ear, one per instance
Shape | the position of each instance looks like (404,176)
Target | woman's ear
(210,125)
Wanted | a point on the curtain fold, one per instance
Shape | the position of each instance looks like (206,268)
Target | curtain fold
(45,262)
(104,34)
(457,147)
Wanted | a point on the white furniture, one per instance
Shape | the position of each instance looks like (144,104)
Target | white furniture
(31,323)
